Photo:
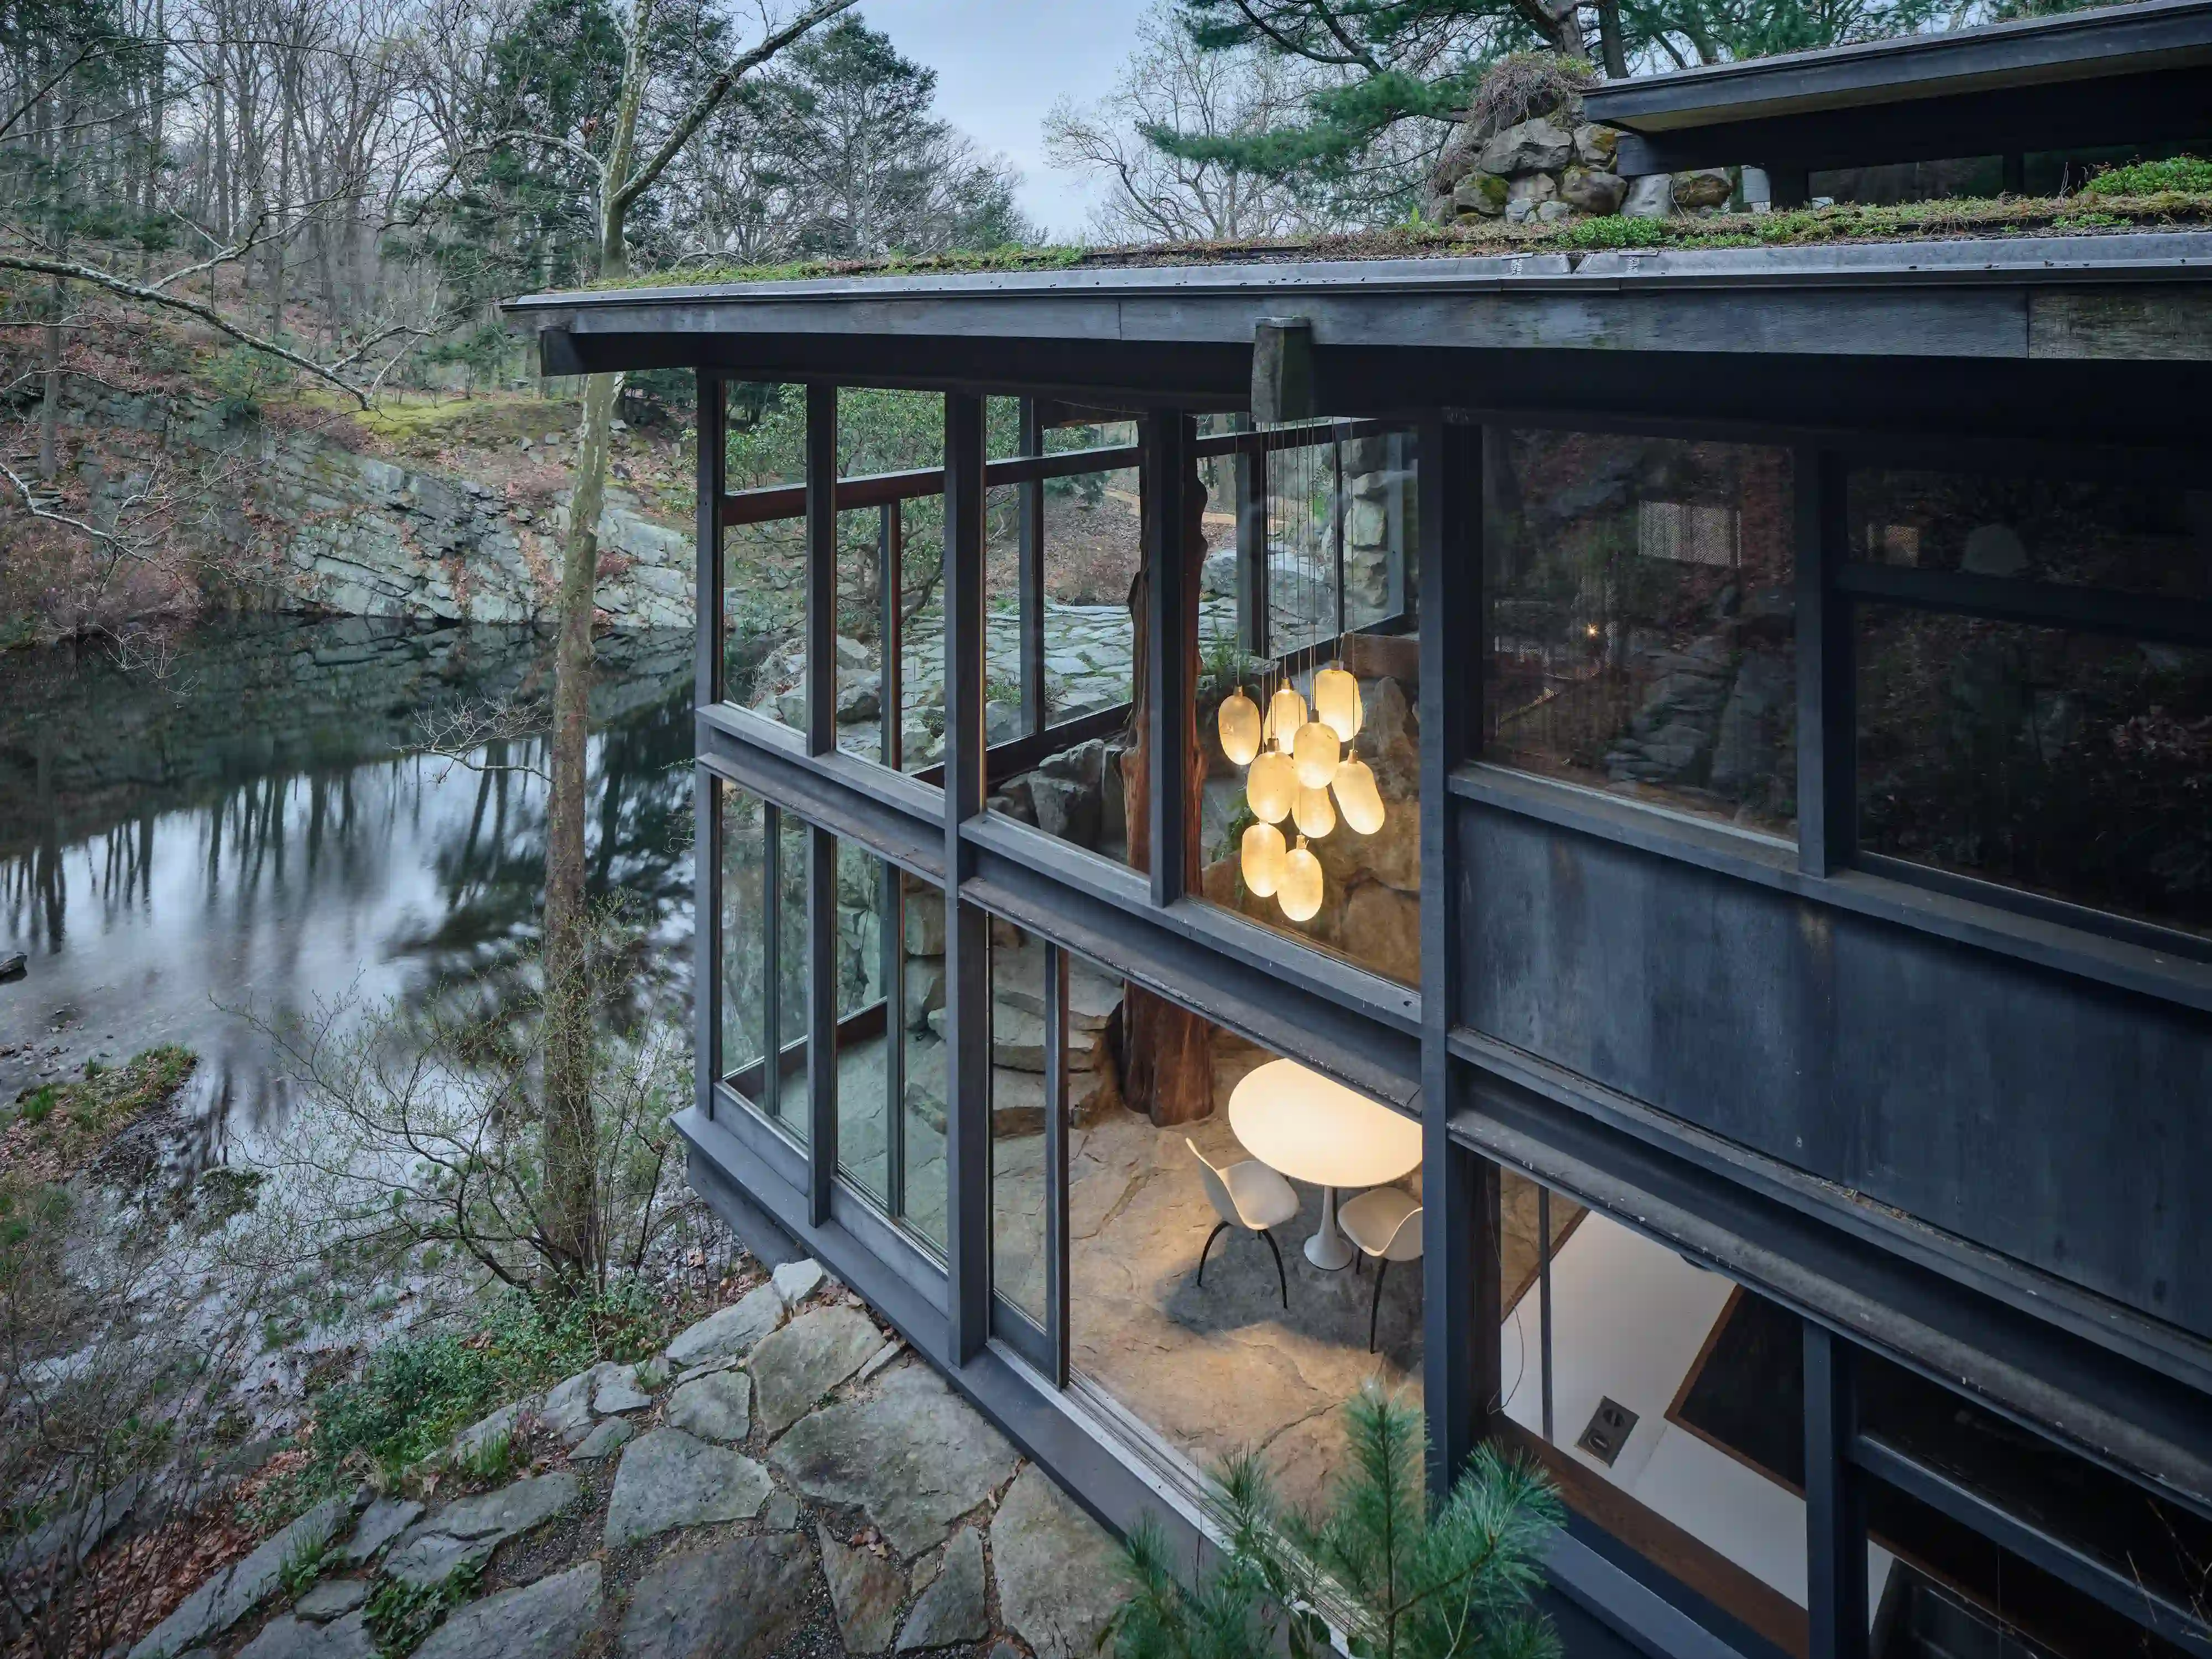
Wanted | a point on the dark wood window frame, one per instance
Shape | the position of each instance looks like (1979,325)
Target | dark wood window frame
(1134,926)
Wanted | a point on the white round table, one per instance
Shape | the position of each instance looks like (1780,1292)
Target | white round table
(1313,1130)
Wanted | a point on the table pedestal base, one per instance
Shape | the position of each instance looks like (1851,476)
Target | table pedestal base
(1329,1249)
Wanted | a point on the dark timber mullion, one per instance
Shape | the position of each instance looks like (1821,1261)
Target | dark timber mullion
(821,1020)
(712,394)
(2160,618)
(1460,1302)
(1835,1501)
(1251,547)
(1031,555)
(893,938)
(821,569)
(1544,1301)
(1170,624)
(967,965)
(1056,1161)
(1827,719)
(771,1088)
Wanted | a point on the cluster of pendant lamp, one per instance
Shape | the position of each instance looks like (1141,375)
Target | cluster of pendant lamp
(1297,764)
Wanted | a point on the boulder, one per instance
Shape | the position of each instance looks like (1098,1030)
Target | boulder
(295,1639)
(1593,191)
(330,1599)
(1531,188)
(228,1596)
(1482,193)
(745,1599)
(1596,146)
(952,1608)
(618,1392)
(806,1358)
(716,1407)
(1067,810)
(1651,197)
(1381,930)
(913,1454)
(548,1620)
(865,1589)
(1060,1575)
(1707,188)
(669,1479)
(464,1533)
(859,698)
(380,1522)
(605,1440)
(732,1333)
(1554,213)
(1535,146)
(795,1281)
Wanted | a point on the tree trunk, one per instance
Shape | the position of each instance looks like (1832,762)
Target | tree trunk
(1167,1051)
(1612,49)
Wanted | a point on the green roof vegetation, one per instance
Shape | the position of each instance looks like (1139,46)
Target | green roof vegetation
(2150,196)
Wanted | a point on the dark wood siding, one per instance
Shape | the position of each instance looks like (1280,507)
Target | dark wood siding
(2060,1122)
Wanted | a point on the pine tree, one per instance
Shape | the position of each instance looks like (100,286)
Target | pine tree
(1405,1581)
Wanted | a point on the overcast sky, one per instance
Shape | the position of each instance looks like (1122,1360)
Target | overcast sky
(1002,65)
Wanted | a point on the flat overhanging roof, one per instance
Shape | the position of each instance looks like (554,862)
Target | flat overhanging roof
(2122,74)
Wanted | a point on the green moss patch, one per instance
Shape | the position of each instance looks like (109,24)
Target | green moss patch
(56,1129)
(2157,195)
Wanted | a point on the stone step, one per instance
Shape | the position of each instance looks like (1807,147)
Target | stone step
(1018,1040)
(1017,978)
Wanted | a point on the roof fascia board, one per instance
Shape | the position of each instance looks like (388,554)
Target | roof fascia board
(2161,33)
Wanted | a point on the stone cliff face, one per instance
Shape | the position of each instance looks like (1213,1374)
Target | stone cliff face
(358,536)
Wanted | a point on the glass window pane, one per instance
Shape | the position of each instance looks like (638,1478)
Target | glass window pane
(2073,765)
(865,966)
(763,565)
(1333,857)
(1641,620)
(1019,991)
(922,1060)
(745,951)
(2139,537)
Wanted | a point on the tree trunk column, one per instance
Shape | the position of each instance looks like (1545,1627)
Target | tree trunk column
(1167,1051)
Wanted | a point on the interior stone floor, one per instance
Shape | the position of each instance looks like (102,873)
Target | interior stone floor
(1207,1368)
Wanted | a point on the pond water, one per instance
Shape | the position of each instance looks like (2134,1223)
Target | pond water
(256,826)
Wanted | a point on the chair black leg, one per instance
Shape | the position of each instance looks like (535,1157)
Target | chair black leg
(1208,1245)
(1374,1308)
(1279,1276)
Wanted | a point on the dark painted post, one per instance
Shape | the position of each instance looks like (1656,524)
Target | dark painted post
(1056,1160)
(893,944)
(1544,1304)
(821,1021)
(1827,717)
(821,569)
(1030,553)
(1459,1191)
(711,397)
(1170,618)
(1835,1502)
(1252,542)
(967,965)
(771,1085)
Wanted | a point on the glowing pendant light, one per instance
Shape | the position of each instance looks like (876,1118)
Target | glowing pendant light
(1336,703)
(1271,785)
(1357,795)
(1286,712)
(1315,751)
(1300,888)
(1315,817)
(1240,728)
(1264,853)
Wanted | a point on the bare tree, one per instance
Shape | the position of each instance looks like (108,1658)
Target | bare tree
(1170,83)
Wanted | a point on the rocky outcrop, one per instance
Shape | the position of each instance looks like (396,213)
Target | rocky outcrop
(355,535)
(1557,167)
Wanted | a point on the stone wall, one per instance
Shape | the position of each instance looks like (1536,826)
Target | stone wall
(351,534)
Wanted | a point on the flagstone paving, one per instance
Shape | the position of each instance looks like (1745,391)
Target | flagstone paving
(791,1484)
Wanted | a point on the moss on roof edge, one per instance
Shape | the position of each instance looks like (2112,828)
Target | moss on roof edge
(2065,215)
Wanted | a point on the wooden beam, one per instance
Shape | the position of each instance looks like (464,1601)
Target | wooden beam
(966,958)
(1835,1501)
(1172,647)
(821,672)
(822,966)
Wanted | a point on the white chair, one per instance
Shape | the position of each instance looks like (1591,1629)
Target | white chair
(1385,1224)
(1249,1195)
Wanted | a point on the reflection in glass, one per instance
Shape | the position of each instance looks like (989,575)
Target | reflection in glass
(1317,832)
(865,967)
(763,565)
(2073,765)
(1641,620)
(2139,537)
(919,1191)
(1019,991)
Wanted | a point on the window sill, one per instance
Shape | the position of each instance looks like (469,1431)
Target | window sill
(1770,863)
